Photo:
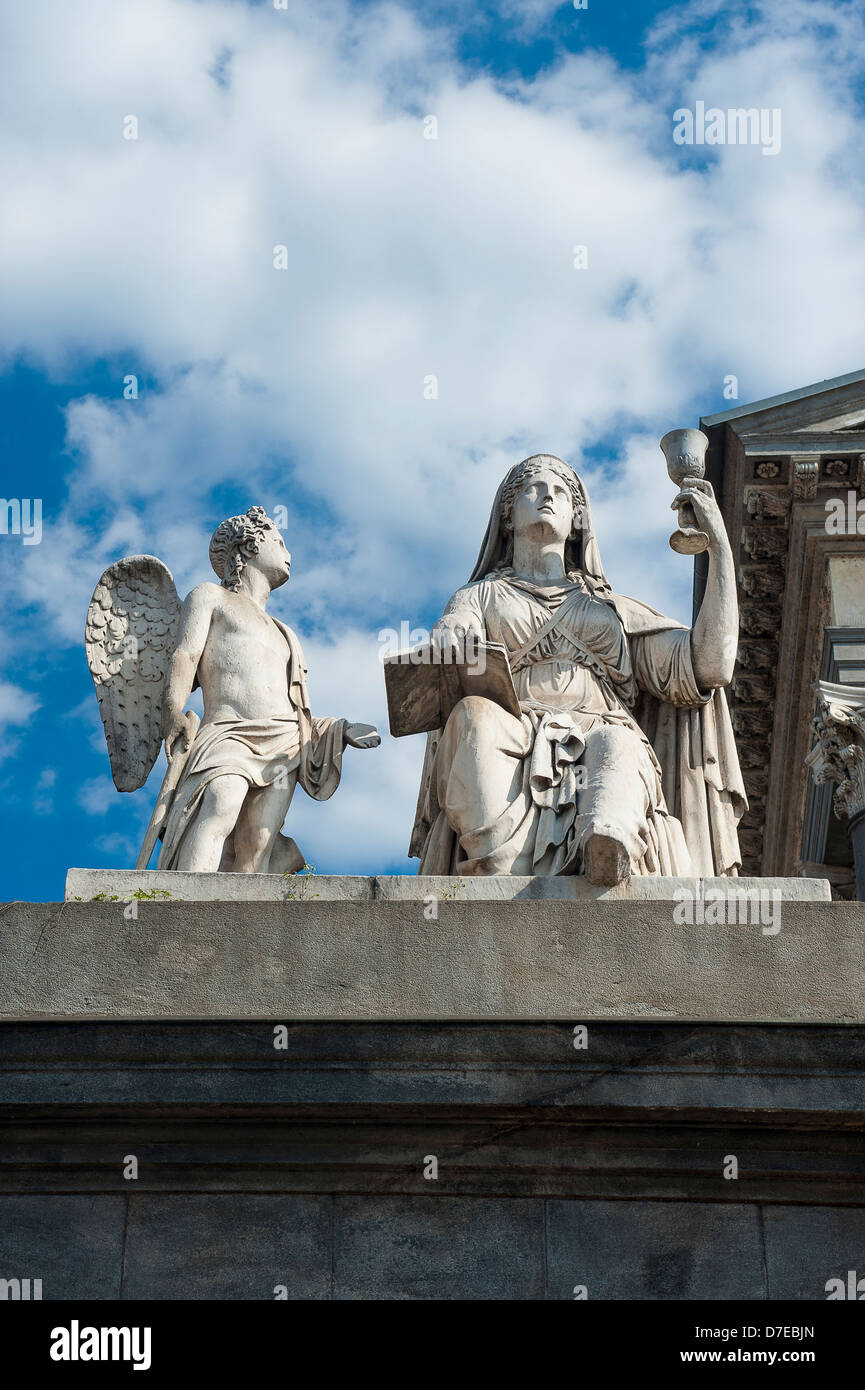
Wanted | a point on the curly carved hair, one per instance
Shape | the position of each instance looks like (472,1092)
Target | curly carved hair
(532,468)
(234,541)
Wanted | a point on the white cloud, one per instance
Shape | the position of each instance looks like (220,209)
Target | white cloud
(526,17)
(369,818)
(17,708)
(43,803)
(118,846)
(97,795)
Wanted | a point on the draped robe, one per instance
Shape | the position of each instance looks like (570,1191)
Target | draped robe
(606,659)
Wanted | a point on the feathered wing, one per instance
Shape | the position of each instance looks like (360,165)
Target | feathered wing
(130,637)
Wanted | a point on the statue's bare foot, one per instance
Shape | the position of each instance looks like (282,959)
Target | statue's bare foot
(606,860)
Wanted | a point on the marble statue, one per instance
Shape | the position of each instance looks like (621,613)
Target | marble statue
(622,760)
(230,780)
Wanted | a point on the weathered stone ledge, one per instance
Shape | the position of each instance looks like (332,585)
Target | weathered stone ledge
(85,885)
(475,961)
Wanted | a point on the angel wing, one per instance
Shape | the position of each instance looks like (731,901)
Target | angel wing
(130,637)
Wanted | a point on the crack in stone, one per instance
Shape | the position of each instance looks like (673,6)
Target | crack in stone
(44,930)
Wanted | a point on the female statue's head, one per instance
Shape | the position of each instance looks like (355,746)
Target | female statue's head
(542,496)
(545,497)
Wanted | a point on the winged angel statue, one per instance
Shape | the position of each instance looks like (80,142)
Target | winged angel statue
(231,776)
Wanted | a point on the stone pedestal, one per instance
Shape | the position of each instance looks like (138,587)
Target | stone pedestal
(363,950)
(342,1098)
(556,1169)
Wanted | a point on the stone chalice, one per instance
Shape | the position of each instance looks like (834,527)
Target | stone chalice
(685,452)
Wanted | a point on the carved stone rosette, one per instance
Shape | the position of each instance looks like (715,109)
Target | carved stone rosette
(839,753)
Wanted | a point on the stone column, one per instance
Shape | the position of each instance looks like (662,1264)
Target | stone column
(839,756)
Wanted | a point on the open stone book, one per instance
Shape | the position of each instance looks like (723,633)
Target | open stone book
(424,684)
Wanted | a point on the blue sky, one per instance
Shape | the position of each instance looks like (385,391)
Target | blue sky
(407,257)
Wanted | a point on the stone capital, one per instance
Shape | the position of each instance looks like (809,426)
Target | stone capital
(838,754)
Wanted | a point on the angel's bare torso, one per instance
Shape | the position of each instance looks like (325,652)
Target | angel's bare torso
(242,656)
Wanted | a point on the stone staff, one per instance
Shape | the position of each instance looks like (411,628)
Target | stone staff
(166,792)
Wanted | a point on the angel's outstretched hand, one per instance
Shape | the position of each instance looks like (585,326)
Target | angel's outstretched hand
(362,736)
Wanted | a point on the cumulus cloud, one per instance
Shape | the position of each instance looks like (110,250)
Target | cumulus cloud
(407,259)
(117,847)
(17,708)
(43,801)
(369,819)
(97,795)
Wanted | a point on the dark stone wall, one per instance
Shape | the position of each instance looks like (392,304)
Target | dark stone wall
(304,1167)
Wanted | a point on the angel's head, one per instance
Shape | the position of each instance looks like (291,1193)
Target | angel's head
(249,540)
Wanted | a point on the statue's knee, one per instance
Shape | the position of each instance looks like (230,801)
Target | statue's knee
(225,796)
(610,737)
(472,715)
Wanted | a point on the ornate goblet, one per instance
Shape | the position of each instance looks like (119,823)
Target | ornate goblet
(685,452)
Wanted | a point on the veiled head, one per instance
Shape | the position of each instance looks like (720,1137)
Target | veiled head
(543,495)
(514,501)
